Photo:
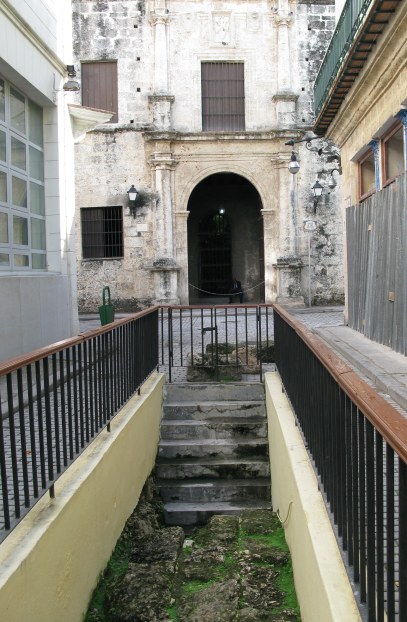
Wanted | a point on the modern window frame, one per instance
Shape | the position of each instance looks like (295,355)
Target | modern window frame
(397,127)
(367,156)
(104,240)
(22,185)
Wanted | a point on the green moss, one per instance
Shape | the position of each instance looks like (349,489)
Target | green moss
(227,568)
(285,582)
(275,539)
(116,567)
(172,613)
(191,587)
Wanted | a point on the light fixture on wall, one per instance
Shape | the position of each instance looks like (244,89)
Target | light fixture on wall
(71,85)
(332,181)
(294,165)
(317,193)
(132,193)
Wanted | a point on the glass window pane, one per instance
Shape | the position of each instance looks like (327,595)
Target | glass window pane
(38,234)
(37,199)
(395,155)
(36,163)
(3,186)
(368,174)
(4,259)
(19,189)
(3,228)
(21,261)
(2,146)
(20,230)
(17,110)
(38,261)
(2,101)
(35,117)
(18,154)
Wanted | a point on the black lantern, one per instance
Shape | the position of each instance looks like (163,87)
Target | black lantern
(317,192)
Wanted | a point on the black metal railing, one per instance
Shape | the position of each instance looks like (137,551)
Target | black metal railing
(56,400)
(358,443)
(218,342)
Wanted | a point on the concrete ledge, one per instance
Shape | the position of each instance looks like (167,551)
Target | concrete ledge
(322,585)
(51,562)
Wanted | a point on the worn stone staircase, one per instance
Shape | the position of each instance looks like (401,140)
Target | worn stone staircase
(213,452)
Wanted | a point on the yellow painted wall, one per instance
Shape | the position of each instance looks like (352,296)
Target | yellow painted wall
(49,565)
(323,589)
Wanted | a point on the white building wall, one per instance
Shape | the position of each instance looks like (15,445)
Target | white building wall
(40,307)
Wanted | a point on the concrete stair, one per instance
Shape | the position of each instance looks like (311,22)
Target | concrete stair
(213,452)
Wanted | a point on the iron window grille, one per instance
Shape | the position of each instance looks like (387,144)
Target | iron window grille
(102,232)
(223,102)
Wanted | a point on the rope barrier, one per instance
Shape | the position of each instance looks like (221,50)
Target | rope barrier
(248,289)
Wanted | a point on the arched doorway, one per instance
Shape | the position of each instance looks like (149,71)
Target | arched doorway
(225,239)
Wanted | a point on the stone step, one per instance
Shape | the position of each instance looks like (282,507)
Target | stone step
(235,429)
(219,448)
(214,490)
(213,392)
(210,410)
(198,514)
(203,468)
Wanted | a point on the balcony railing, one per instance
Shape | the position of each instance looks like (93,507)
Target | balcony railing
(349,22)
(56,400)
(358,443)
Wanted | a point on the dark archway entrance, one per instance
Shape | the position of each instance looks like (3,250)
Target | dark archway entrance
(225,239)
(215,253)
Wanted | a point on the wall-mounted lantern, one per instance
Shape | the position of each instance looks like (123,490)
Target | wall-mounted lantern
(132,194)
(317,193)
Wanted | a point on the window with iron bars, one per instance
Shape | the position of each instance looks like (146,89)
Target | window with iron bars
(102,232)
(223,103)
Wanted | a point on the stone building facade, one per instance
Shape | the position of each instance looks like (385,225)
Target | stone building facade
(205,96)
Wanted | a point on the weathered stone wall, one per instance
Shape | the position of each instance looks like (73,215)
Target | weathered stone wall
(159,147)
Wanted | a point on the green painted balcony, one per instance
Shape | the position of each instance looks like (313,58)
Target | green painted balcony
(360,25)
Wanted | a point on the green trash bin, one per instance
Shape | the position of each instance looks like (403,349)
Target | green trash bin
(106,310)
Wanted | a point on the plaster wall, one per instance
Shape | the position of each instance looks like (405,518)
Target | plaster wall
(70,538)
(321,583)
(158,144)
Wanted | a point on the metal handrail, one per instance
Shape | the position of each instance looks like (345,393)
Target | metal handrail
(56,400)
(358,445)
(385,418)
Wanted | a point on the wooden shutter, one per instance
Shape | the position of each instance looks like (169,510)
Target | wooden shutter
(99,86)
(222,96)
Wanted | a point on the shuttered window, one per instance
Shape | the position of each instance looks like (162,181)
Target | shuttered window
(102,232)
(99,86)
(222,96)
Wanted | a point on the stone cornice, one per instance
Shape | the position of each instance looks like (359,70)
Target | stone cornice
(163,161)
(202,137)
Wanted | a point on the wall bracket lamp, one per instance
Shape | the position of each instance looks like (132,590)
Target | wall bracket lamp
(132,194)
(317,193)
